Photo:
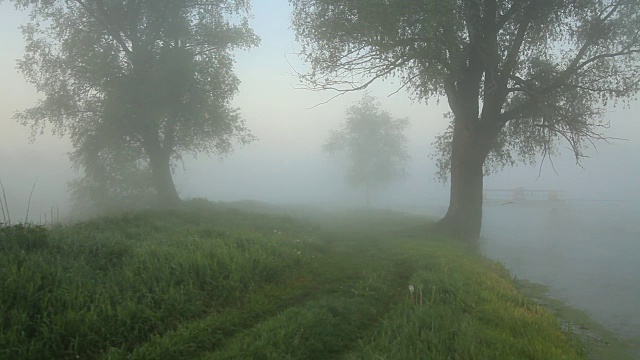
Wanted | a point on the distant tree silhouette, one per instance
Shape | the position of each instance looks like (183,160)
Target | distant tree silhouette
(374,144)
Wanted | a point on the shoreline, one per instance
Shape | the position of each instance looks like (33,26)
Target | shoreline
(600,343)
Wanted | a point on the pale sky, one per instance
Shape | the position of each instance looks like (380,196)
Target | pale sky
(286,164)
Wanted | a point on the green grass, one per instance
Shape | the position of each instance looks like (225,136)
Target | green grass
(213,281)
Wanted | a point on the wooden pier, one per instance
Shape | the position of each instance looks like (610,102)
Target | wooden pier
(522,196)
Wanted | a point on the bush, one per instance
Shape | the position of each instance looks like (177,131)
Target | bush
(24,237)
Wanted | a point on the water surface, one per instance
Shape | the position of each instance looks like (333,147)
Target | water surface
(587,253)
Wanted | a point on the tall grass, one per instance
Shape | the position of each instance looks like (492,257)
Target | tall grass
(463,307)
(4,206)
(54,215)
(214,282)
(117,282)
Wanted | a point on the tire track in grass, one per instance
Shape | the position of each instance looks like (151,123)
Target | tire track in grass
(356,287)
(213,331)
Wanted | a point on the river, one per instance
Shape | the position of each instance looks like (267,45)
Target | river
(586,252)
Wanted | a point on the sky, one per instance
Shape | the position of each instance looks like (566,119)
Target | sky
(286,164)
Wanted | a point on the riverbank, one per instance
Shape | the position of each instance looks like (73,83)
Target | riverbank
(586,257)
(212,281)
(600,343)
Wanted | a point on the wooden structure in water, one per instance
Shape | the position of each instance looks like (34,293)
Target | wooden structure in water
(522,196)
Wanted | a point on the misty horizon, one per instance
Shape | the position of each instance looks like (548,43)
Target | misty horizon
(286,163)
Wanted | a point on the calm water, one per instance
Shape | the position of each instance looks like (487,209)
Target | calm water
(588,253)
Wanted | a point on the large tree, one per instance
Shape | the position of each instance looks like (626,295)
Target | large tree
(374,144)
(136,83)
(519,76)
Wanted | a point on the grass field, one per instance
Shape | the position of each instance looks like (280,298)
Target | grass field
(211,281)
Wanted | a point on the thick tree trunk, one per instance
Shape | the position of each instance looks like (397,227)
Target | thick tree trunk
(474,132)
(470,148)
(160,161)
(464,216)
(163,181)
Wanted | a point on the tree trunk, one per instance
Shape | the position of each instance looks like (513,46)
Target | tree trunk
(464,216)
(160,161)
(470,147)
(474,132)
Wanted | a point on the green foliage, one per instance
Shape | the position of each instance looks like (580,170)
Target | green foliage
(500,156)
(521,77)
(112,187)
(211,281)
(319,329)
(114,283)
(136,85)
(468,309)
(23,237)
(374,143)
(365,283)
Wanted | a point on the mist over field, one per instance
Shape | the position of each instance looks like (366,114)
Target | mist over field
(585,250)
(287,164)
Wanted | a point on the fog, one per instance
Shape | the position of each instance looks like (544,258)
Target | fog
(286,164)
(590,259)
(586,252)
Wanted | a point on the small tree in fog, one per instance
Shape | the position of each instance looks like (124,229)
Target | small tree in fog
(374,144)
(136,84)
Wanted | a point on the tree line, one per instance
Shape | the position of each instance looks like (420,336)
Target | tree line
(137,84)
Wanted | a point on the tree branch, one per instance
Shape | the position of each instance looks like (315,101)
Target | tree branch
(514,51)
(508,15)
(106,24)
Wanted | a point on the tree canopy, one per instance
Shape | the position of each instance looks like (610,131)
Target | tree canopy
(136,84)
(374,144)
(520,76)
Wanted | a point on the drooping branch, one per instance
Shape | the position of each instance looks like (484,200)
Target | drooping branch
(355,72)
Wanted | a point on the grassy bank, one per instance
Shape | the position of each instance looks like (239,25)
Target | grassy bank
(213,282)
(598,341)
